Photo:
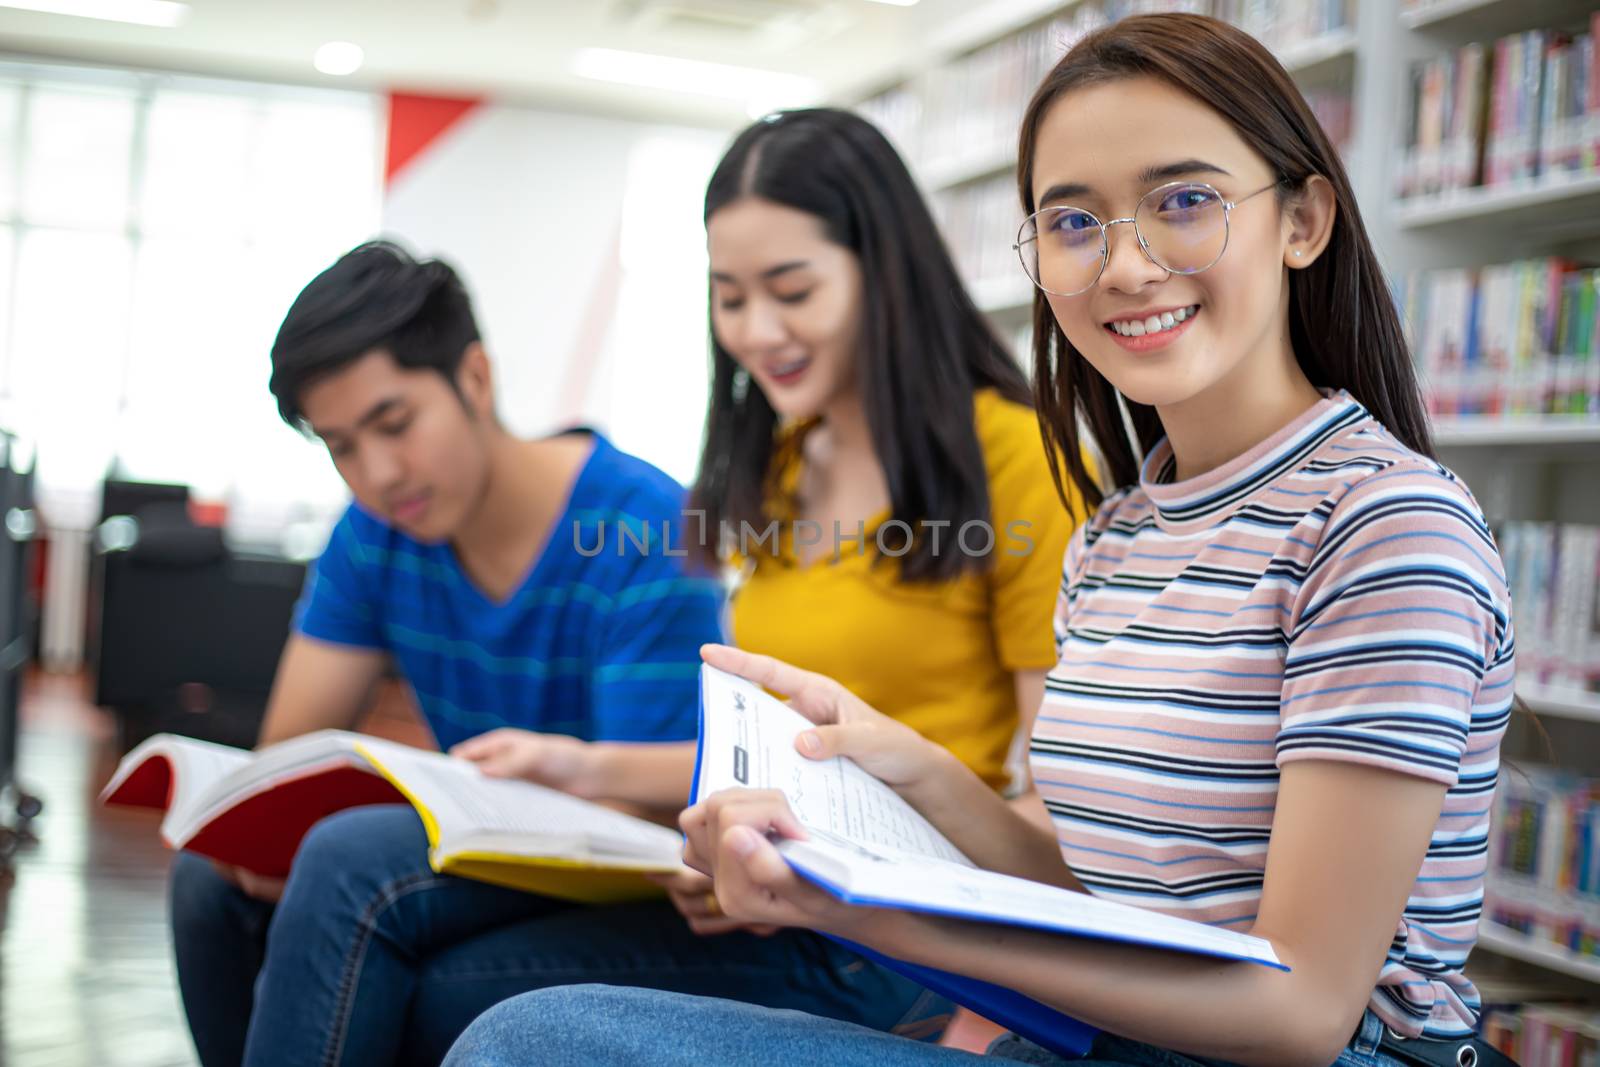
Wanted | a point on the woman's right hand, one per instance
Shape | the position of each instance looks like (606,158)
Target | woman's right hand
(845,725)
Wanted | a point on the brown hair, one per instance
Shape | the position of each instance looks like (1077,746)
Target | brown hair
(1343,324)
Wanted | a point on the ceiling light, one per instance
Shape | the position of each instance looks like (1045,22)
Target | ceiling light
(896,3)
(339,58)
(164,13)
(760,90)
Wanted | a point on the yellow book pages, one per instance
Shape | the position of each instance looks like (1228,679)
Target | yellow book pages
(552,876)
(563,879)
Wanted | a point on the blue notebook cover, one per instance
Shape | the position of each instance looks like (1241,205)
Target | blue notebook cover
(1023,1016)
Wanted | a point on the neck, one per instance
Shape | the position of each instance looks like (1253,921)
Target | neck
(849,435)
(1259,398)
(520,496)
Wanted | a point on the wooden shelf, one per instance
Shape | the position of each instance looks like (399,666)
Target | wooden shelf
(1505,942)
(1544,199)
(1318,56)
(1561,703)
(948,173)
(1492,18)
(1484,430)
(1003,296)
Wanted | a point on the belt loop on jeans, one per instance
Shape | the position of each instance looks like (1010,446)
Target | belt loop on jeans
(1368,1034)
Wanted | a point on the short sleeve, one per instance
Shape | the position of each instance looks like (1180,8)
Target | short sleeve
(336,604)
(1400,634)
(646,681)
(1031,529)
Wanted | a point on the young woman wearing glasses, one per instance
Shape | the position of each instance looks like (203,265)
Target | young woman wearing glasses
(1285,644)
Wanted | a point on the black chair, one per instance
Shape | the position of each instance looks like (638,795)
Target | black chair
(18,612)
(186,634)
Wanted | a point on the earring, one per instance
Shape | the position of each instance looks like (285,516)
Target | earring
(1299,252)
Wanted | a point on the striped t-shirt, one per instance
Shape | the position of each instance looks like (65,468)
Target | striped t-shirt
(600,641)
(1329,595)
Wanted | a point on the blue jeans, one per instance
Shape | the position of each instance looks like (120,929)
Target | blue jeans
(371,958)
(601,1026)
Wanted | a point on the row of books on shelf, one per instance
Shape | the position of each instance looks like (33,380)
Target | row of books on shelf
(1552,570)
(979,222)
(1511,338)
(971,107)
(1282,24)
(1545,1035)
(1527,105)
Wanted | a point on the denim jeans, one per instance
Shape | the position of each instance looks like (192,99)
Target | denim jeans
(601,1026)
(371,958)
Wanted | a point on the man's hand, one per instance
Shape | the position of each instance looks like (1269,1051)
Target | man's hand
(258,886)
(552,760)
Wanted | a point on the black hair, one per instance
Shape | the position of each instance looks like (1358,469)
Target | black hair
(925,348)
(1343,324)
(375,297)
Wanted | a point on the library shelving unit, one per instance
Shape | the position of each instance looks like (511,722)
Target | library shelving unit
(955,118)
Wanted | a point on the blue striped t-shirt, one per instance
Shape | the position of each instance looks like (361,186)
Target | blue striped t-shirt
(600,645)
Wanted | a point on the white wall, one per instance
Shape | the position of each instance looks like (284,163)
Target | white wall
(580,241)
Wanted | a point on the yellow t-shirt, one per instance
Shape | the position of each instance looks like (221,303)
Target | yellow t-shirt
(938,656)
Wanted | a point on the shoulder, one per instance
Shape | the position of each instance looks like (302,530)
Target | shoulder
(1375,477)
(618,481)
(1006,429)
(366,540)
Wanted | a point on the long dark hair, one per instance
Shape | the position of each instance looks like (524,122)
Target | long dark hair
(1342,321)
(925,347)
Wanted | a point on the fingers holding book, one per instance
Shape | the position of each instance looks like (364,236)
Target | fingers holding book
(730,836)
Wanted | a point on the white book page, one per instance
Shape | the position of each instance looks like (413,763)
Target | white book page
(264,770)
(196,767)
(467,805)
(747,741)
(874,873)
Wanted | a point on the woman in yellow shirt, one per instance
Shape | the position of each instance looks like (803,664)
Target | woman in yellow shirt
(861,401)
(872,466)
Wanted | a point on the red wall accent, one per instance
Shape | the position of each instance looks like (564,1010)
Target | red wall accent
(416,121)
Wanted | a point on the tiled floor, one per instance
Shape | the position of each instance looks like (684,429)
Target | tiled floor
(86,974)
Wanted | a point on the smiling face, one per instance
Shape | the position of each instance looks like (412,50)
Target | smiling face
(1163,339)
(786,303)
(413,451)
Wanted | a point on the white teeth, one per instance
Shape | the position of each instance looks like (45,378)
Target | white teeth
(1155,323)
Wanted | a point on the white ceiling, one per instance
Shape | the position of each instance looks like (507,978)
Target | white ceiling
(515,49)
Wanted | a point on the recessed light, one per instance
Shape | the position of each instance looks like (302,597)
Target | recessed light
(163,13)
(339,58)
(761,90)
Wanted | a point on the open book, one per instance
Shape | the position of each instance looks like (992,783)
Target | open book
(868,846)
(251,809)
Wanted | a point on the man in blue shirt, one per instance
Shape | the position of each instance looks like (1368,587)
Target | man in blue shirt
(469,560)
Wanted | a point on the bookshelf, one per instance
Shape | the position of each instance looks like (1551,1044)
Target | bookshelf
(1355,60)
(1554,702)
(1489,430)
(1558,200)
(1519,946)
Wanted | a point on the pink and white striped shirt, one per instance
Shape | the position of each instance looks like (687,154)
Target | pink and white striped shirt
(1330,595)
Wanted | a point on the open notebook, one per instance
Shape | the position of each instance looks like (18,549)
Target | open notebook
(251,809)
(868,846)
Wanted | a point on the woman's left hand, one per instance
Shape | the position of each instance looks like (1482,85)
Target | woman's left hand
(730,835)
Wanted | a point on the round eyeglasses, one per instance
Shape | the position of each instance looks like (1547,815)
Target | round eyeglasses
(1182,227)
